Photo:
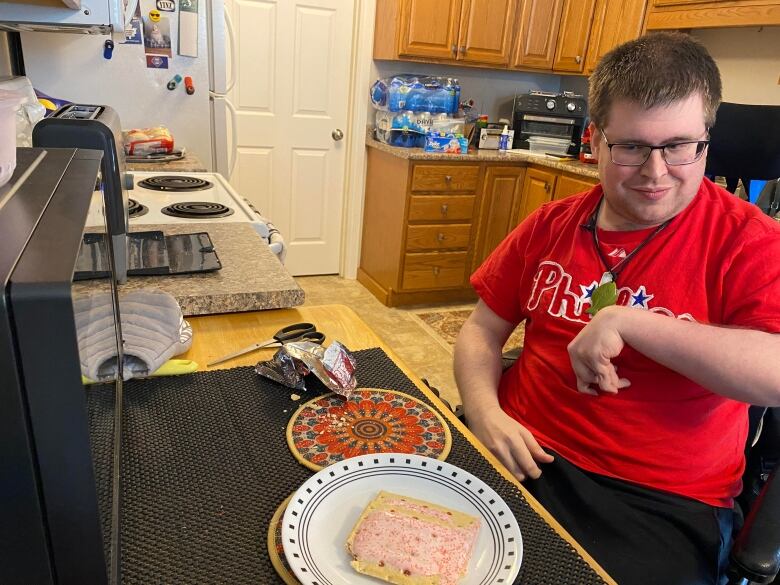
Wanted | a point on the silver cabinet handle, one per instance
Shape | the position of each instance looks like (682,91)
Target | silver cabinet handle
(578,59)
(444,208)
(454,50)
(337,134)
(463,50)
(441,237)
(448,178)
(436,270)
(547,187)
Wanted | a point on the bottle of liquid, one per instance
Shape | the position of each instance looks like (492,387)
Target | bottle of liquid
(586,155)
(503,140)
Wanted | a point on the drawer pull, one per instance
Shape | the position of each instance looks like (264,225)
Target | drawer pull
(547,187)
(436,270)
(448,179)
(444,209)
(441,237)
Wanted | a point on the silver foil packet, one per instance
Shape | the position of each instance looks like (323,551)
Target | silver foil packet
(334,366)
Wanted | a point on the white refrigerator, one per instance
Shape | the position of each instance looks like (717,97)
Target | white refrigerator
(73,67)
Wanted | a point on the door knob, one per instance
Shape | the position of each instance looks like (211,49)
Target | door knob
(337,134)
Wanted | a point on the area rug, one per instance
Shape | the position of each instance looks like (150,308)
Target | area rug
(445,325)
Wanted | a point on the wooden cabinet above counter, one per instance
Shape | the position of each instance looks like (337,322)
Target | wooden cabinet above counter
(429,220)
(686,14)
(550,35)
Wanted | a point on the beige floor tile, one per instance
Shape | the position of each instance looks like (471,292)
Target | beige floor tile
(423,352)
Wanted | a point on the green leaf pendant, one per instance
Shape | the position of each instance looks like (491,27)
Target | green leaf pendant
(605,295)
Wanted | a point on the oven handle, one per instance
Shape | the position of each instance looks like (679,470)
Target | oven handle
(568,121)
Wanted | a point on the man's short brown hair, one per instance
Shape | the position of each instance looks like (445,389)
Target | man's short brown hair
(655,70)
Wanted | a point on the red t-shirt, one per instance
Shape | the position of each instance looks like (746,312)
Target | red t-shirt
(717,262)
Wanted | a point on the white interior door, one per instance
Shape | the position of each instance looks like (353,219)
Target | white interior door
(291,95)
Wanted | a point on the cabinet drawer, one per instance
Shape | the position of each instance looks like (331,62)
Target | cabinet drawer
(441,207)
(445,177)
(438,237)
(434,270)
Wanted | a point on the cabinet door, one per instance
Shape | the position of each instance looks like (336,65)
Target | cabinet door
(567,185)
(501,198)
(486,31)
(573,35)
(614,22)
(538,188)
(429,28)
(538,34)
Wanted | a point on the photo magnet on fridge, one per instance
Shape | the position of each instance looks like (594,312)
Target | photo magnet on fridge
(188,28)
(157,37)
(133,34)
(157,62)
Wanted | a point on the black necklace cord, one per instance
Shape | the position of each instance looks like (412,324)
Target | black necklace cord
(617,268)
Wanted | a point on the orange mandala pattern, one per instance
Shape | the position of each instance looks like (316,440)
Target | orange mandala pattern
(329,429)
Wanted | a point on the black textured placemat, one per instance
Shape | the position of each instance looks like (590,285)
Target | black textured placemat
(205,465)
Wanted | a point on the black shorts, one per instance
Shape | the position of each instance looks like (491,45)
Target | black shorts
(638,535)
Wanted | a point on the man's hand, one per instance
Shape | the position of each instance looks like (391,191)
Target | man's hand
(509,441)
(592,351)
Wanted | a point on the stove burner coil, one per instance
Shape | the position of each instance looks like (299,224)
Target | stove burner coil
(135,209)
(174,183)
(197,210)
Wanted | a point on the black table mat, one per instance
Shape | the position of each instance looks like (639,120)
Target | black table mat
(205,464)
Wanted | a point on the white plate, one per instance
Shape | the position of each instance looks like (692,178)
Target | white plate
(324,510)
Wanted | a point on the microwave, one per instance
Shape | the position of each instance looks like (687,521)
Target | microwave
(107,17)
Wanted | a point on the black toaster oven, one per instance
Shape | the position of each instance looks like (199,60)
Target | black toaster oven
(551,115)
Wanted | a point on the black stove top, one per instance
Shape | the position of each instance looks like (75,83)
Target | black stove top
(174,183)
(135,209)
(197,210)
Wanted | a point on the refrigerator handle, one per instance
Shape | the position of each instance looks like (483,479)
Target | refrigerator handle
(234,137)
(232,48)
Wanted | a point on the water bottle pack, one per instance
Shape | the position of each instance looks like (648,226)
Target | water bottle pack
(410,106)
(414,93)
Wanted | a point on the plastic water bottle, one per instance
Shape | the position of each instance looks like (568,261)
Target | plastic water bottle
(503,140)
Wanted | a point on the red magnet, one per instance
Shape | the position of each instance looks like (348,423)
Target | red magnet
(188,85)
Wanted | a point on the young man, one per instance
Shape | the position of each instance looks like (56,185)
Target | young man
(652,307)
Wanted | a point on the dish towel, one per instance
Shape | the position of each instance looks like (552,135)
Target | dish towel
(153,330)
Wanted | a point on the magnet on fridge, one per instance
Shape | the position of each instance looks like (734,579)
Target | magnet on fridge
(108,49)
(188,85)
(175,80)
(154,15)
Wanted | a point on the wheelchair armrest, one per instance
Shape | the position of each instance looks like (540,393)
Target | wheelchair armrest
(756,551)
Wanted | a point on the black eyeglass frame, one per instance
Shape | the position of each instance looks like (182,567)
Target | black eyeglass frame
(701,144)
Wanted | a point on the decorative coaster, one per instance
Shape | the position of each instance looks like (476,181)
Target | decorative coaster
(275,548)
(328,429)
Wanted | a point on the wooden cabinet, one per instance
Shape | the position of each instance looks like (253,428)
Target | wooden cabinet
(418,229)
(614,22)
(456,31)
(537,36)
(427,225)
(502,194)
(685,14)
(567,185)
(574,34)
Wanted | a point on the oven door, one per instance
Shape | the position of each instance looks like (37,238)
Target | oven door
(549,126)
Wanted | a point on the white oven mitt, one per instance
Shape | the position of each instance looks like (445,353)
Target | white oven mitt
(153,330)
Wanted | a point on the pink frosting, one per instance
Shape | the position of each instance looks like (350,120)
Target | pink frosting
(413,546)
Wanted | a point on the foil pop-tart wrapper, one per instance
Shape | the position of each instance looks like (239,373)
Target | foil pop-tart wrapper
(334,366)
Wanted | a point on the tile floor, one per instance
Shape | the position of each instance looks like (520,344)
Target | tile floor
(423,352)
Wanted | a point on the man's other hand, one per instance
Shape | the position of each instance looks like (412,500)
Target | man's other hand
(509,441)
(592,351)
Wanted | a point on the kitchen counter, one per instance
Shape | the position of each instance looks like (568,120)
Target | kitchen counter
(514,157)
(251,277)
(189,164)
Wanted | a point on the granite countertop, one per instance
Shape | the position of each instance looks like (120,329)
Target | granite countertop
(251,278)
(478,156)
(189,164)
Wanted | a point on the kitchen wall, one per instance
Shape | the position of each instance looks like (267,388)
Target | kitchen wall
(749,62)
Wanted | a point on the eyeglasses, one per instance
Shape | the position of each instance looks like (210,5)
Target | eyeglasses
(674,153)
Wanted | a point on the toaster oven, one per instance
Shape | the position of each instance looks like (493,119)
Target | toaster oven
(549,115)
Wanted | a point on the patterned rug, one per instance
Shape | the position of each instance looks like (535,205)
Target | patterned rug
(446,324)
